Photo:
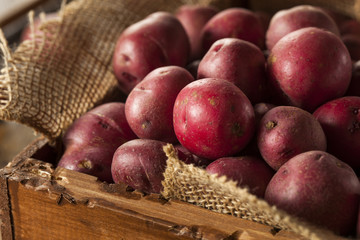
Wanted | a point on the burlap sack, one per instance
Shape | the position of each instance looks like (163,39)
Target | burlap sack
(50,81)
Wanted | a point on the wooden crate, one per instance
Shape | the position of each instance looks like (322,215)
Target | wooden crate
(40,202)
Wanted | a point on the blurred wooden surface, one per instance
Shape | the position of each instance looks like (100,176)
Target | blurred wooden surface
(10,10)
(13,138)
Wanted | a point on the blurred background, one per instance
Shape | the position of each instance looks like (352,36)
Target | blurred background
(13,18)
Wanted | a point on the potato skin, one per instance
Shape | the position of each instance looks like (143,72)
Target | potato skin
(304,72)
(92,139)
(318,188)
(193,18)
(340,119)
(213,118)
(140,163)
(238,23)
(249,172)
(153,42)
(239,62)
(149,106)
(287,131)
(289,20)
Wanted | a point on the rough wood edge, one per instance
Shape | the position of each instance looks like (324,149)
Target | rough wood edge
(5,211)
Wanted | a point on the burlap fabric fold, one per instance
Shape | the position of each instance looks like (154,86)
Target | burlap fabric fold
(48,82)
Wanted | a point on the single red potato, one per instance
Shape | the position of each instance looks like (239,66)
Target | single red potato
(140,163)
(235,23)
(249,172)
(285,132)
(193,18)
(289,20)
(340,119)
(149,106)
(92,139)
(239,62)
(157,40)
(305,72)
(317,187)
(213,118)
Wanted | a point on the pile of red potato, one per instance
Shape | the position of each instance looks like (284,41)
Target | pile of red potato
(272,102)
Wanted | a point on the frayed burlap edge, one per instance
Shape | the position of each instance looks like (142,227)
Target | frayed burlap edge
(194,185)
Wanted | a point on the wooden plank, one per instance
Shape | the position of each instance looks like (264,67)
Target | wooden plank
(36,216)
(5,214)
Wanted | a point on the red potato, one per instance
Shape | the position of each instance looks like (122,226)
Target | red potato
(140,163)
(193,18)
(305,72)
(213,118)
(285,132)
(92,139)
(340,119)
(292,19)
(249,172)
(239,62)
(235,23)
(352,43)
(157,40)
(149,106)
(317,187)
